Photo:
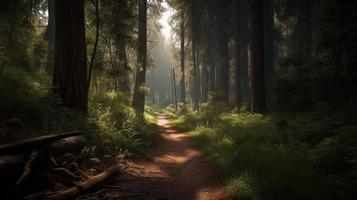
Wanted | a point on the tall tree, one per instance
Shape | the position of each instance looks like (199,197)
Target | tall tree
(223,49)
(139,95)
(174,93)
(257,69)
(194,57)
(70,73)
(182,58)
(241,44)
(269,47)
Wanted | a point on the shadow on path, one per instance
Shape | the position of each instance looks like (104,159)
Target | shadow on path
(175,171)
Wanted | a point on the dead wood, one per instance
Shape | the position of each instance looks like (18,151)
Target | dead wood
(34,143)
(85,186)
(14,164)
(73,144)
(65,173)
(28,167)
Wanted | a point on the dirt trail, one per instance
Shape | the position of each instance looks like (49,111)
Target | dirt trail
(175,171)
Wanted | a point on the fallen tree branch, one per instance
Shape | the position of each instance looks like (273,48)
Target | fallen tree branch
(27,167)
(34,143)
(66,172)
(85,186)
(14,164)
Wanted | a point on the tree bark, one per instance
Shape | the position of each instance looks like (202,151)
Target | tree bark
(241,44)
(70,73)
(257,70)
(194,58)
(73,192)
(269,47)
(139,96)
(223,50)
(33,143)
(182,59)
(174,88)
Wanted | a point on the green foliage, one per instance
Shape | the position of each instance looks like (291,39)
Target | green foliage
(111,127)
(22,97)
(119,128)
(242,187)
(293,156)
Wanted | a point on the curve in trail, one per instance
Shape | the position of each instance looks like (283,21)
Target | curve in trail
(175,170)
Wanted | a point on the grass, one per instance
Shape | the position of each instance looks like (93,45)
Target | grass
(285,156)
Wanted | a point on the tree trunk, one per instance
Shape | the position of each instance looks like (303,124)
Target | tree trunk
(308,27)
(70,73)
(139,96)
(194,58)
(269,48)
(257,70)
(124,78)
(174,88)
(50,36)
(222,38)
(225,69)
(182,60)
(241,38)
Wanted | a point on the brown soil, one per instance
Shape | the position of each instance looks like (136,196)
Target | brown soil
(175,170)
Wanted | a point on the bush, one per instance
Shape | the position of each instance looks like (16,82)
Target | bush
(285,156)
(23,98)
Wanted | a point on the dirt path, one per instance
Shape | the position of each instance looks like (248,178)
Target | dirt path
(175,171)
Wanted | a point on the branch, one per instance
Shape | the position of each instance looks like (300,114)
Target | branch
(27,168)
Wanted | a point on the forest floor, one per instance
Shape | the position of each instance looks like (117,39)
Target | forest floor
(175,169)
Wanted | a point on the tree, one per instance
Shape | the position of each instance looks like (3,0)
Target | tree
(139,95)
(70,73)
(182,58)
(194,57)
(222,37)
(241,44)
(257,69)
(269,47)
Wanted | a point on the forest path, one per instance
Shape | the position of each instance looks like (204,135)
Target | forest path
(175,170)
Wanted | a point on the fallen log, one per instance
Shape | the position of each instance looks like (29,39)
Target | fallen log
(85,186)
(13,164)
(26,146)
(72,144)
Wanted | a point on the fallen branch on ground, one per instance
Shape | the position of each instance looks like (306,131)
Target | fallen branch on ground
(28,166)
(34,143)
(85,186)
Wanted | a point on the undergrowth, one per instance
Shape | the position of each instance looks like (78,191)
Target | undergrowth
(111,127)
(278,156)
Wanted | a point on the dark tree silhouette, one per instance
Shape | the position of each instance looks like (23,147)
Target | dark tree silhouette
(257,69)
(70,73)
(139,95)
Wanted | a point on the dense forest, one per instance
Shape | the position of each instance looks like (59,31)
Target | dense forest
(146,99)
